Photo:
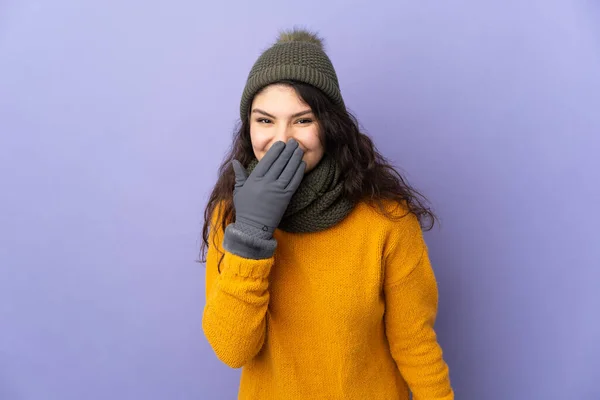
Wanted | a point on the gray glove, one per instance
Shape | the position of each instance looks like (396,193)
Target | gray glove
(260,200)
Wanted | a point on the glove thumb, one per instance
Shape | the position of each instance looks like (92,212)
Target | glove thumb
(240,174)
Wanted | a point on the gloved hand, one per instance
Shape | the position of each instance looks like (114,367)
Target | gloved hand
(260,200)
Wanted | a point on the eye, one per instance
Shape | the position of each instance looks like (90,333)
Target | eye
(304,121)
(263,120)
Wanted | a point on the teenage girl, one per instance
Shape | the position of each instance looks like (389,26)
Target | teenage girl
(318,280)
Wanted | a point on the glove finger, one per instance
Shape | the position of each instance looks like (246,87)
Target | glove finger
(290,169)
(269,158)
(279,164)
(297,179)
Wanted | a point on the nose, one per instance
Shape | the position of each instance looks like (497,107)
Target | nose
(284,133)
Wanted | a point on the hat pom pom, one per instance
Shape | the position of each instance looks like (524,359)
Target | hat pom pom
(300,35)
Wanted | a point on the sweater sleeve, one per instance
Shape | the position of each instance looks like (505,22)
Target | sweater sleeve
(234,320)
(411,299)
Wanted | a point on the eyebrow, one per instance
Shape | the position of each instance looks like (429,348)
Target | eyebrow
(259,111)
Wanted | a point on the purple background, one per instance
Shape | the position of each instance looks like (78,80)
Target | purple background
(114,116)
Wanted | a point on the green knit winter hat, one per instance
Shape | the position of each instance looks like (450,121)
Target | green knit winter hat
(297,55)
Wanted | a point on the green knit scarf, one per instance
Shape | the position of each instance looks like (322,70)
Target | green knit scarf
(318,203)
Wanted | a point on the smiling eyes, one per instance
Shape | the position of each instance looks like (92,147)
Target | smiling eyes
(301,121)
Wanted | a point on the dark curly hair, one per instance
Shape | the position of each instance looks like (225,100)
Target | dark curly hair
(367,175)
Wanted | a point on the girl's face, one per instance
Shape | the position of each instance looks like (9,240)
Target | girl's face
(278,114)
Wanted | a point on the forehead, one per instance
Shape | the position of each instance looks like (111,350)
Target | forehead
(279,97)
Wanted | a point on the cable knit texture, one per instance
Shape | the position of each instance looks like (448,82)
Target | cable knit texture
(344,313)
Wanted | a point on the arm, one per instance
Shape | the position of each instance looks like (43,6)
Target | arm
(234,320)
(411,297)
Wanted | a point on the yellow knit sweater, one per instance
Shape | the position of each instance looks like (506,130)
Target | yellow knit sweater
(346,313)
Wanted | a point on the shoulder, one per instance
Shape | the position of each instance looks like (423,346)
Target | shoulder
(218,214)
(396,230)
(219,219)
(390,216)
